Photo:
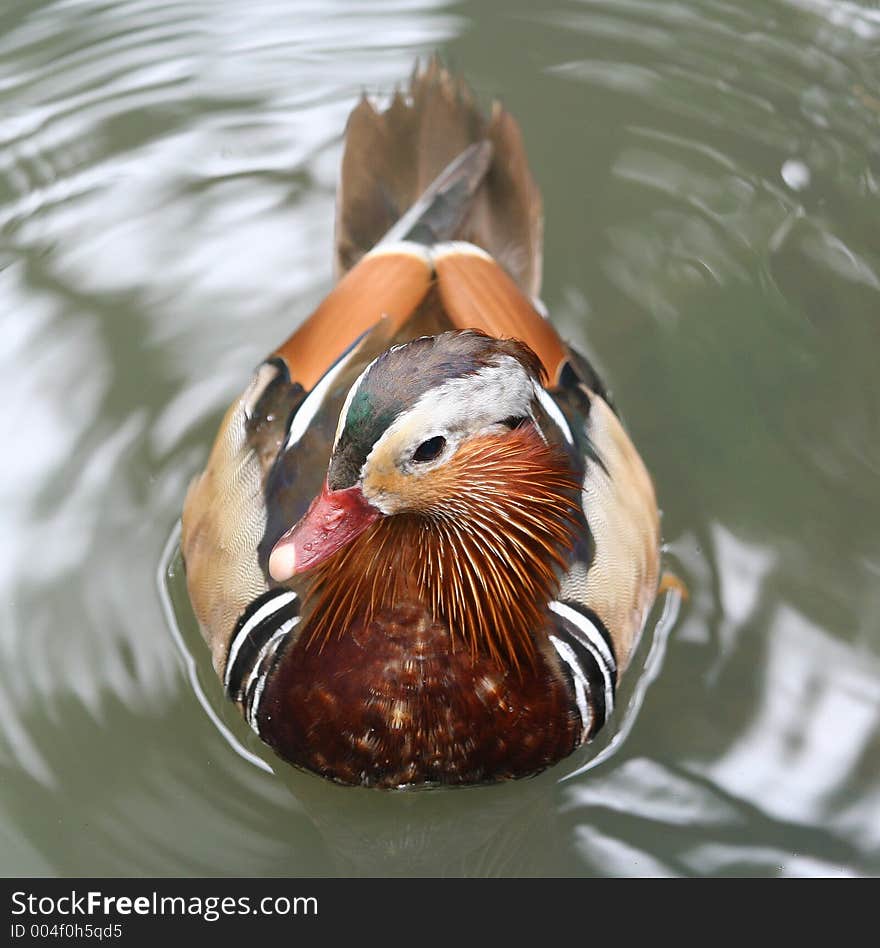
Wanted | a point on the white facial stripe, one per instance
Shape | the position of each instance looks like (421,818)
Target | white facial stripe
(266,610)
(591,638)
(554,411)
(581,684)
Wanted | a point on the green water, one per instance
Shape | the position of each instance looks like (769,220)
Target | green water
(710,173)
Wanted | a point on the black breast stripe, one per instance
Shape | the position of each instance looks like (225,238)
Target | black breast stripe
(262,619)
(588,663)
(594,628)
(578,684)
(585,680)
(263,668)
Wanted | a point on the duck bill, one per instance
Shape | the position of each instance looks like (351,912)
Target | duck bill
(334,519)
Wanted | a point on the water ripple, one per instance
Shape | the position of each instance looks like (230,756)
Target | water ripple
(167,174)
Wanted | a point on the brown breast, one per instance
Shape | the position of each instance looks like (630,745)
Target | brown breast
(392,703)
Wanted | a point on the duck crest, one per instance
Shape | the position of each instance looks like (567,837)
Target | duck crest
(485,562)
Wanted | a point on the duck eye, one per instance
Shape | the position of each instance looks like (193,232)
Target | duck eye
(430,449)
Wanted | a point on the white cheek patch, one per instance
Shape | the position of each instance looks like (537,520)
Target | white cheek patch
(459,408)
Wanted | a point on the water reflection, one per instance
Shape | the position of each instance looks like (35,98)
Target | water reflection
(710,173)
(815,723)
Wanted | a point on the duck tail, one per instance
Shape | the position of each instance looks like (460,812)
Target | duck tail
(432,168)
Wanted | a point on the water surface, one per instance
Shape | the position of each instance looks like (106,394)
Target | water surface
(710,173)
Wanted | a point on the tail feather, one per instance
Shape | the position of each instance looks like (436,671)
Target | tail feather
(442,207)
(394,156)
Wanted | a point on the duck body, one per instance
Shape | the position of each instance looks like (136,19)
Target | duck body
(423,547)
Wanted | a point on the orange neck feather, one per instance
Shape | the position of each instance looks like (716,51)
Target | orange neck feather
(483,562)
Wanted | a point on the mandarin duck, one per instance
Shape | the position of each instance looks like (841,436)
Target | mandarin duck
(423,547)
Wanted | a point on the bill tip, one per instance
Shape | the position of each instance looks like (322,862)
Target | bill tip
(282,562)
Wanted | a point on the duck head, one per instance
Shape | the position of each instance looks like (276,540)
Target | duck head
(443,486)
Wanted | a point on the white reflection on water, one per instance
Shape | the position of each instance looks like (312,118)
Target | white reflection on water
(814,725)
(719,857)
(743,568)
(795,174)
(617,857)
(45,413)
(861,20)
(657,794)
(818,714)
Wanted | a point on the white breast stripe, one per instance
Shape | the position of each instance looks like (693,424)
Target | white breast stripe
(254,708)
(591,638)
(266,610)
(554,411)
(581,683)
